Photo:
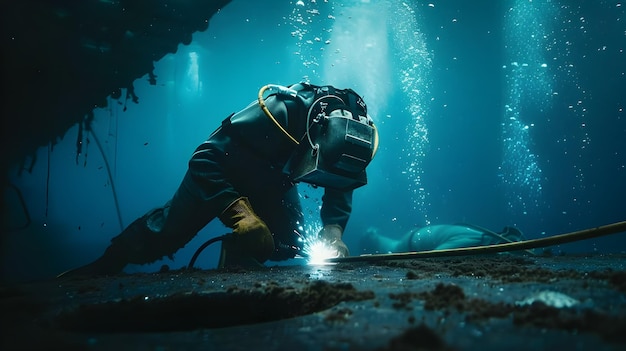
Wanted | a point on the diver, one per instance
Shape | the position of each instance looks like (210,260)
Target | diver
(438,237)
(245,174)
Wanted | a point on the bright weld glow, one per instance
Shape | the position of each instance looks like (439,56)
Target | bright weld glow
(318,252)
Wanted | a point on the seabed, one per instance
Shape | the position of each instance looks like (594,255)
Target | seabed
(461,303)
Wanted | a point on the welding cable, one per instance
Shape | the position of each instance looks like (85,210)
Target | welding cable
(109,175)
(24,208)
(204,246)
(613,228)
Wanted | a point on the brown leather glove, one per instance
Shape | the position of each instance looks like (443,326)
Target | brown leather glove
(331,234)
(251,237)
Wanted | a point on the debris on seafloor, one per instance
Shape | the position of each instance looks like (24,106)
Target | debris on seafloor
(550,298)
(478,303)
(420,337)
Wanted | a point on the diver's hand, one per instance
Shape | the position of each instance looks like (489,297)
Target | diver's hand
(251,236)
(331,235)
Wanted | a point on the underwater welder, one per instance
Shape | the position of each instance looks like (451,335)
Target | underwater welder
(246,173)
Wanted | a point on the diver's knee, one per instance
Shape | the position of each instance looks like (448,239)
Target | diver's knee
(145,241)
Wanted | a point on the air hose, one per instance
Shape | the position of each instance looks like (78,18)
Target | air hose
(590,233)
(192,262)
(283,91)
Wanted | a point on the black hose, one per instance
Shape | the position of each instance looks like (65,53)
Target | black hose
(110,176)
(20,197)
(202,247)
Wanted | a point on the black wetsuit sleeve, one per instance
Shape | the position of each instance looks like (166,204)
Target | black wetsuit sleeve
(336,207)
(206,177)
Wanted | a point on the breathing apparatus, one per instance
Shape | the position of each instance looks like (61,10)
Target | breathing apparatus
(340,138)
(280,90)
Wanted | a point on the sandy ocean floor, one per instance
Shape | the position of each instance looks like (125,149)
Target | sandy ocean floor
(462,303)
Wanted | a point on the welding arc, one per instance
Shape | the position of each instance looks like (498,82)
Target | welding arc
(590,233)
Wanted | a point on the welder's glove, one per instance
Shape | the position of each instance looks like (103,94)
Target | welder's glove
(331,235)
(251,237)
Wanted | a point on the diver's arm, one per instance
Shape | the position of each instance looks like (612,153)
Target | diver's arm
(336,207)
(335,212)
(206,177)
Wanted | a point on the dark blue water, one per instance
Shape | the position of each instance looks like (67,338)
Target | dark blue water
(494,113)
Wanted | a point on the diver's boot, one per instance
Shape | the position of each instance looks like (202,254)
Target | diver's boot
(109,263)
(131,246)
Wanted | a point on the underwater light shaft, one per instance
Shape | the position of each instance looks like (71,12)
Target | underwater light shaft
(529,41)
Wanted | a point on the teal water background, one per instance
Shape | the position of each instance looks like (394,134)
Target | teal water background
(495,113)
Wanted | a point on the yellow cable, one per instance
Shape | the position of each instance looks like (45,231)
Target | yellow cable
(269,114)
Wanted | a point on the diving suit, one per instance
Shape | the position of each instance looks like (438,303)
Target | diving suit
(246,173)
